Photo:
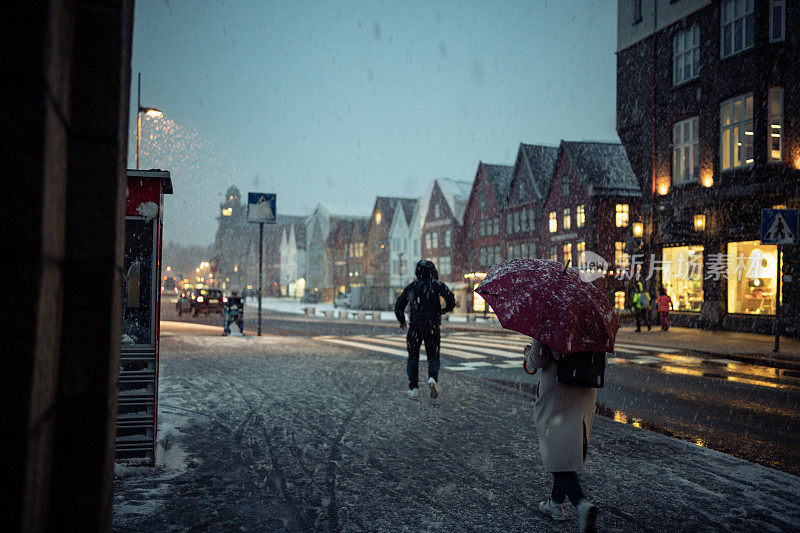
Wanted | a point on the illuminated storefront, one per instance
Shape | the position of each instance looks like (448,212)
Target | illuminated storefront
(682,276)
(752,277)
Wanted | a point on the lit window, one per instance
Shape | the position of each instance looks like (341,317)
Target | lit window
(736,33)
(621,259)
(581,249)
(228,211)
(619,300)
(553,222)
(774,142)
(682,276)
(427,241)
(566,253)
(378,218)
(567,219)
(621,215)
(685,151)
(752,277)
(736,132)
(580,216)
(777,23)
(686,55)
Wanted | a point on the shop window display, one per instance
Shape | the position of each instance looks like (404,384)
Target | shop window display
(752,278)
(682,274)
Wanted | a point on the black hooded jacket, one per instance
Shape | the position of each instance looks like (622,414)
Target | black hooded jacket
(423,294)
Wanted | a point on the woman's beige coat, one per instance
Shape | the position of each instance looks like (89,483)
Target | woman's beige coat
(563,414)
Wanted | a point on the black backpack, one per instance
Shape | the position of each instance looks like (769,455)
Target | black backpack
(582,369)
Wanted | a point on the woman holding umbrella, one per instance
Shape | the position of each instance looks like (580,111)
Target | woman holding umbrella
(563,415)
(565,315)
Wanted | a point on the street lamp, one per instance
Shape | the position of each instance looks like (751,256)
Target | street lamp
(149,111)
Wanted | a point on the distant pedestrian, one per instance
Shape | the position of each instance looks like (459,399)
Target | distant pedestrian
(664,303)
(563,415)
(423,294)
(234,312)
(641,306)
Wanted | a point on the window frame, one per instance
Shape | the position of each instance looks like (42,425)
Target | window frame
(780,4)
(745,18)
(553,222)
(680,55)
(679,146)
(773,120)
(731,128)
(566,219)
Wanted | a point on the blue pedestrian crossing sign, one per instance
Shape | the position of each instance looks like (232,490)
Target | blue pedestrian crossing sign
(261,208)
(779,226)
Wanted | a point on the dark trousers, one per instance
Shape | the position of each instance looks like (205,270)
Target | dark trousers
(642,315)
(665,320)
(566,485)
(417,333)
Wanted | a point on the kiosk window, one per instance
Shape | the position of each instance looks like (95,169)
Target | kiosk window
(137,284)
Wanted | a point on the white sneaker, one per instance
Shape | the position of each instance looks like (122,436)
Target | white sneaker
(434,388)
(553,510)
(587,517)
(413,393)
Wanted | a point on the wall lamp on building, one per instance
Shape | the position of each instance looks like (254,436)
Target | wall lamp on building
(699,222)
(638,229)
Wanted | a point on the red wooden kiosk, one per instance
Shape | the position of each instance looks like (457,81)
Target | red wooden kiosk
(137,415)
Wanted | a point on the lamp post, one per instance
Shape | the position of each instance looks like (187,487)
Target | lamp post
(149,111)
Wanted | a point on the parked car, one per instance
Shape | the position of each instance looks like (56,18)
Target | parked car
(196,301)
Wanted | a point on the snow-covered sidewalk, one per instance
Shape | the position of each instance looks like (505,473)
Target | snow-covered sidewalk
(287,434)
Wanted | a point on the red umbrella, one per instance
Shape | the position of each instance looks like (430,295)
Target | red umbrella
(551,303)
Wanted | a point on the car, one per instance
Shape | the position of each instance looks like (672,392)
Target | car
(201,300)
(342,300)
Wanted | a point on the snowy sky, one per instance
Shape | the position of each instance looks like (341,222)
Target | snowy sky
(342,101)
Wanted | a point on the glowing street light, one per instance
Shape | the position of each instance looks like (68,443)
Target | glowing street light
(150,112)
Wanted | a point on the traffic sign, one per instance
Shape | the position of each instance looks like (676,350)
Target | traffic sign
(261,208)
(779,226)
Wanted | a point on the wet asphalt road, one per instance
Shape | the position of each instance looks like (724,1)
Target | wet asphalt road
(749,411)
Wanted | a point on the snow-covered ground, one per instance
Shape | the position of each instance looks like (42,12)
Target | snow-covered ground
(287,305)
(288,434)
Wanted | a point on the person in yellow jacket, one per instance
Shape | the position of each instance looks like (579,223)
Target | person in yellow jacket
(641,306)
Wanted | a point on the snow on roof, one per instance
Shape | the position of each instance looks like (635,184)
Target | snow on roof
(541,164)
(499,177)
(456,193)
(603,166)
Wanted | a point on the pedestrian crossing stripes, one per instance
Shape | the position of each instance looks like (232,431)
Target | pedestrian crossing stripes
(471,352)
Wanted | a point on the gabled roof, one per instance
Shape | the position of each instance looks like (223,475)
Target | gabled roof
(540,162)
(408,205)
(499,176)
(388,205)
(300,235)
(603,167)
(456,193)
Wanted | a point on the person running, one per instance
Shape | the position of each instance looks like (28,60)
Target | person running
(423,295)
(664,303)
(641,306)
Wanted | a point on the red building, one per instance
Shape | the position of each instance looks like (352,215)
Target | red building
(483,225)
(533,172)
(443,232)
(591,205)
